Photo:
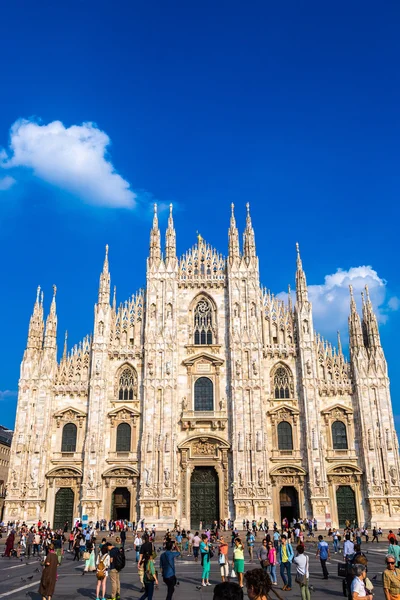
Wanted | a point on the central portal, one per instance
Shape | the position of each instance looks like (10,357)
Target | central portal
(204,498)
(289,501)
(121,504)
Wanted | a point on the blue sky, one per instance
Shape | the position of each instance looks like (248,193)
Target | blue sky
(291,106)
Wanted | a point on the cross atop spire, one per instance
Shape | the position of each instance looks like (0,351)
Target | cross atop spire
(170,238)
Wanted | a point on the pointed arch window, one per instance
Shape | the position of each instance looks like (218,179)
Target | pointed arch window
(281,383)
(285,437)
(124,437)
(68,443)
(126,384)
(339,436)
(203,323)
(203,394)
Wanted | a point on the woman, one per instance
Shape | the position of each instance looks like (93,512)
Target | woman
(258,584)
(90,563)
(262,555)
(9,544)
(58,548)
(238,560)
(150,576)
(391,578)
(49,575)
(302,574)
(205,559)
(273,561)
(103,564)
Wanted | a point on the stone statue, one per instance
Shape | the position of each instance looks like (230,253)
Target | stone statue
(260,476)
(184,403)
(148,477)
(393,475)
(98,367)
(168,368)
(259,441)
(374,479)
(317,477)
(167,477)
(237,366)
(241,477)
(240,442)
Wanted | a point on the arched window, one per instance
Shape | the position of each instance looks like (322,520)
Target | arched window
(203,333)
(123,437)
(285,439)
(126,384)
(68,443)
(281,383)
(339,436)
(203,394)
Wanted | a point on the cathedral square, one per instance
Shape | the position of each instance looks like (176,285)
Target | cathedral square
(204,397)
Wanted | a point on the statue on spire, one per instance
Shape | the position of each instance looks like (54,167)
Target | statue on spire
(170,238)
(233,237)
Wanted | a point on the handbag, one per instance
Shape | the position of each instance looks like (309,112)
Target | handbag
(86,555)
(221,559)
(233,574)
(265,563)
(301,579)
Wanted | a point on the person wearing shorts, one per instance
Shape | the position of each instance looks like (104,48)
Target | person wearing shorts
(223,559)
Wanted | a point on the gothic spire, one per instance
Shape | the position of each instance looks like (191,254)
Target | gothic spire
(339,343)
(233,237)
(50,336)
(355,331)
(65,346)
(170,238)
(155,243)
(249,243)
(104,285)
(290,304)
(36,324)
(301,283)
(370,323)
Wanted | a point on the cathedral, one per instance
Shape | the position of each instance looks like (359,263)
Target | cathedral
(204,397)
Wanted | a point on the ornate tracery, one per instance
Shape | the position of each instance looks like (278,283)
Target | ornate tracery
(203,323)
(127,384)
(281,384)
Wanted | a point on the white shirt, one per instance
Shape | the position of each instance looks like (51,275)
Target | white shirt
(301,561)
(138,541)
(348,548)
(196,541)
(358,586)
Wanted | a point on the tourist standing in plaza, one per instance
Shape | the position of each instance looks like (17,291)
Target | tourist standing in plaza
(262,555)
(196,546)
(115,567)
(285,558)
(358,589)
(137,543)
(258,584)
(323,554)
(9,544)
(150,576)
(250,538)
(223,560)
(49,575)
(205,559)
(394,549)
(391,579)
(302,574)
(273,561)
(167,565)
(103,564)
(238,560)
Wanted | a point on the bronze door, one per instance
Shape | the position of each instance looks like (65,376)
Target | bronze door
(63,508)
(204,497)
(346,505)
(121,504)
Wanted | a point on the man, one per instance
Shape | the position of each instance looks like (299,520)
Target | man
(196,546)
(277,537)
(250,544)
(178,540)
(391,537)
(348,548)
(285,558)
(114,573)
(223,558)
(375,535)
(147,547)
(137,543)
(335,537)
(228,591)
(190,543)
(29,542)
(323,554)
(167,565)
(123,538)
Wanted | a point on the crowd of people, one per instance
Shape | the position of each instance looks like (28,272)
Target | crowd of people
(282,551)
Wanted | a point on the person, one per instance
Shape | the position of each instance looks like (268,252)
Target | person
(391,537)
(9,544)
(90,562)
(277,537)
(196,546)
(102,564)
(324,555)
(348,548)
(49,575)
(262,555)
(123,538)
(391,579)
(375,535)
(394,549)
(302,574)
(238,560)
(29,542)
(250,543)
(358,589)
(150,575)
(137,543)
(272,558)
(223,558)
(258,584)
(335,538)
(285,558)
(228,590)
(205,559)
(147,547)
(114,572)
(167,565)
(190,543)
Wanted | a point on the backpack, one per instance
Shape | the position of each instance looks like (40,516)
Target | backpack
(119,560)
(101,570)
(148,575)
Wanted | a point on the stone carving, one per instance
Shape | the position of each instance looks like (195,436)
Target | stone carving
(167,477)
(260,474)
(148,446)
(374,477)
(184,403)
(168,368)
(167,444)
(203,447)
(255,368)
(308,367)
(238,367)
(241,477)
(98,367)
(259,441)
(148,477)
(240,442)
(393,475)
(370,440)
(317,477)
(150,368)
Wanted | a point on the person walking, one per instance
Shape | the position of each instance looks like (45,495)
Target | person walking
(358,589)
(102,566)
(250,543)
(90,560)
(196,546)
(272,558)
(137,543)
(375,535)
(223,560)
(167,565)
(335,538)
(150,576)
(29,542)
(205,559)
(238,560)
(391,579)
(394,549)
(9,544)
(49,575)
(323,554)
(302,573)
(285,558)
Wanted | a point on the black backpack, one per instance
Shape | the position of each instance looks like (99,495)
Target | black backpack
(119,560)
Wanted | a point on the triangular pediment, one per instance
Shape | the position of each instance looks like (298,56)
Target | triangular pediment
(337,407)
(283,408)
(69,413)
(124,410)
(203,356)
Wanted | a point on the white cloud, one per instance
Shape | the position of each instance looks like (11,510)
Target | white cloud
(331,300)
(73,158)
(5,394)
(6,183)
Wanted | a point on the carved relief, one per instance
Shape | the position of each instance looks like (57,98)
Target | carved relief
(203,447)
